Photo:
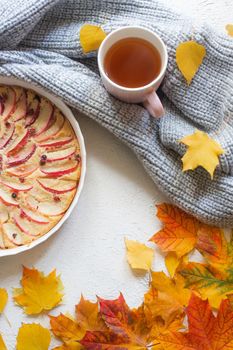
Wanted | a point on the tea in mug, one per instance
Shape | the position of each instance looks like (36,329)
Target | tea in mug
(132,62)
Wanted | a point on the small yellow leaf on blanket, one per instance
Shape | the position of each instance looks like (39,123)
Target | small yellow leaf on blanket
(202,151)
(189,57)
(91,37)
(229,29)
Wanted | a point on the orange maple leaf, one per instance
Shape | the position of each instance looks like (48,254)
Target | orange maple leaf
(71,331)
(205,330)
(179,233)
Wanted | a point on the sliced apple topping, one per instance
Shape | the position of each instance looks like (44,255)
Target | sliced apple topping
(22,156)
(13,233)
(25,226)
(61,169)
(8,100)
(19,142)
(7,198)
(33,216)
(20,107)
(53,129)
(33,109)
(7,136)
(52,209)
(60,155)
(57,186)
(56,142)
(16,186)
(4,215)
(45,117)
(23,171)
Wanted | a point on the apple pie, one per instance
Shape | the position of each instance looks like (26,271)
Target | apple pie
(40,166)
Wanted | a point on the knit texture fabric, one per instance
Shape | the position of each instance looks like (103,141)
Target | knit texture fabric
(39,43)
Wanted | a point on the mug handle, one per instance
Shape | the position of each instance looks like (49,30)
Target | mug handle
(154,105)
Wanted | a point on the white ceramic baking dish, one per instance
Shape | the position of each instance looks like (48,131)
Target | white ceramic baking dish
(69,115)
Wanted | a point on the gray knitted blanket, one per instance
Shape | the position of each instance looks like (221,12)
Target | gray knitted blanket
(39,42)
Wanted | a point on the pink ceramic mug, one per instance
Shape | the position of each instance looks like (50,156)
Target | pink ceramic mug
(146,94)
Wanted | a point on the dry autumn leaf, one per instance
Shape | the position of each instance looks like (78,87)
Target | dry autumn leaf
(2,344)
(38,292)
(71,331)
(205,330)
(111,323)
(202,151)
(172,262)
(172,288)
(91,37)
(33,337)
(3,299)
(128,329)
(67,330)
(229,29)
(87,315)
(213,279)
(179,233)
(139,256)
(189,57)
(160,306)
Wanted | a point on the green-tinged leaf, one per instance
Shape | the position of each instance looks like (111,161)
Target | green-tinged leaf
(207,281)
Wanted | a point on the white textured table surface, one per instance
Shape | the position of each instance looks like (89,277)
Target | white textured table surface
(117,201)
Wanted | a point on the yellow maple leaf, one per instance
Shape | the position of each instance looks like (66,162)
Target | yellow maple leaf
(229,29)
(202,151)
(2,344)
(38,292)
(91,37)
(139,256)
(33,337)
(159,305)
(3,299)
(173,288)
(189,57)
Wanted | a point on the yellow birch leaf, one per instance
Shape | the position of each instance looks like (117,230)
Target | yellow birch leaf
(2,344)
(3,299)
(229,29)
(202,151)
(139,256)
(189,57)
(33,337)
(172,262)
(91,37)
(38,292)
